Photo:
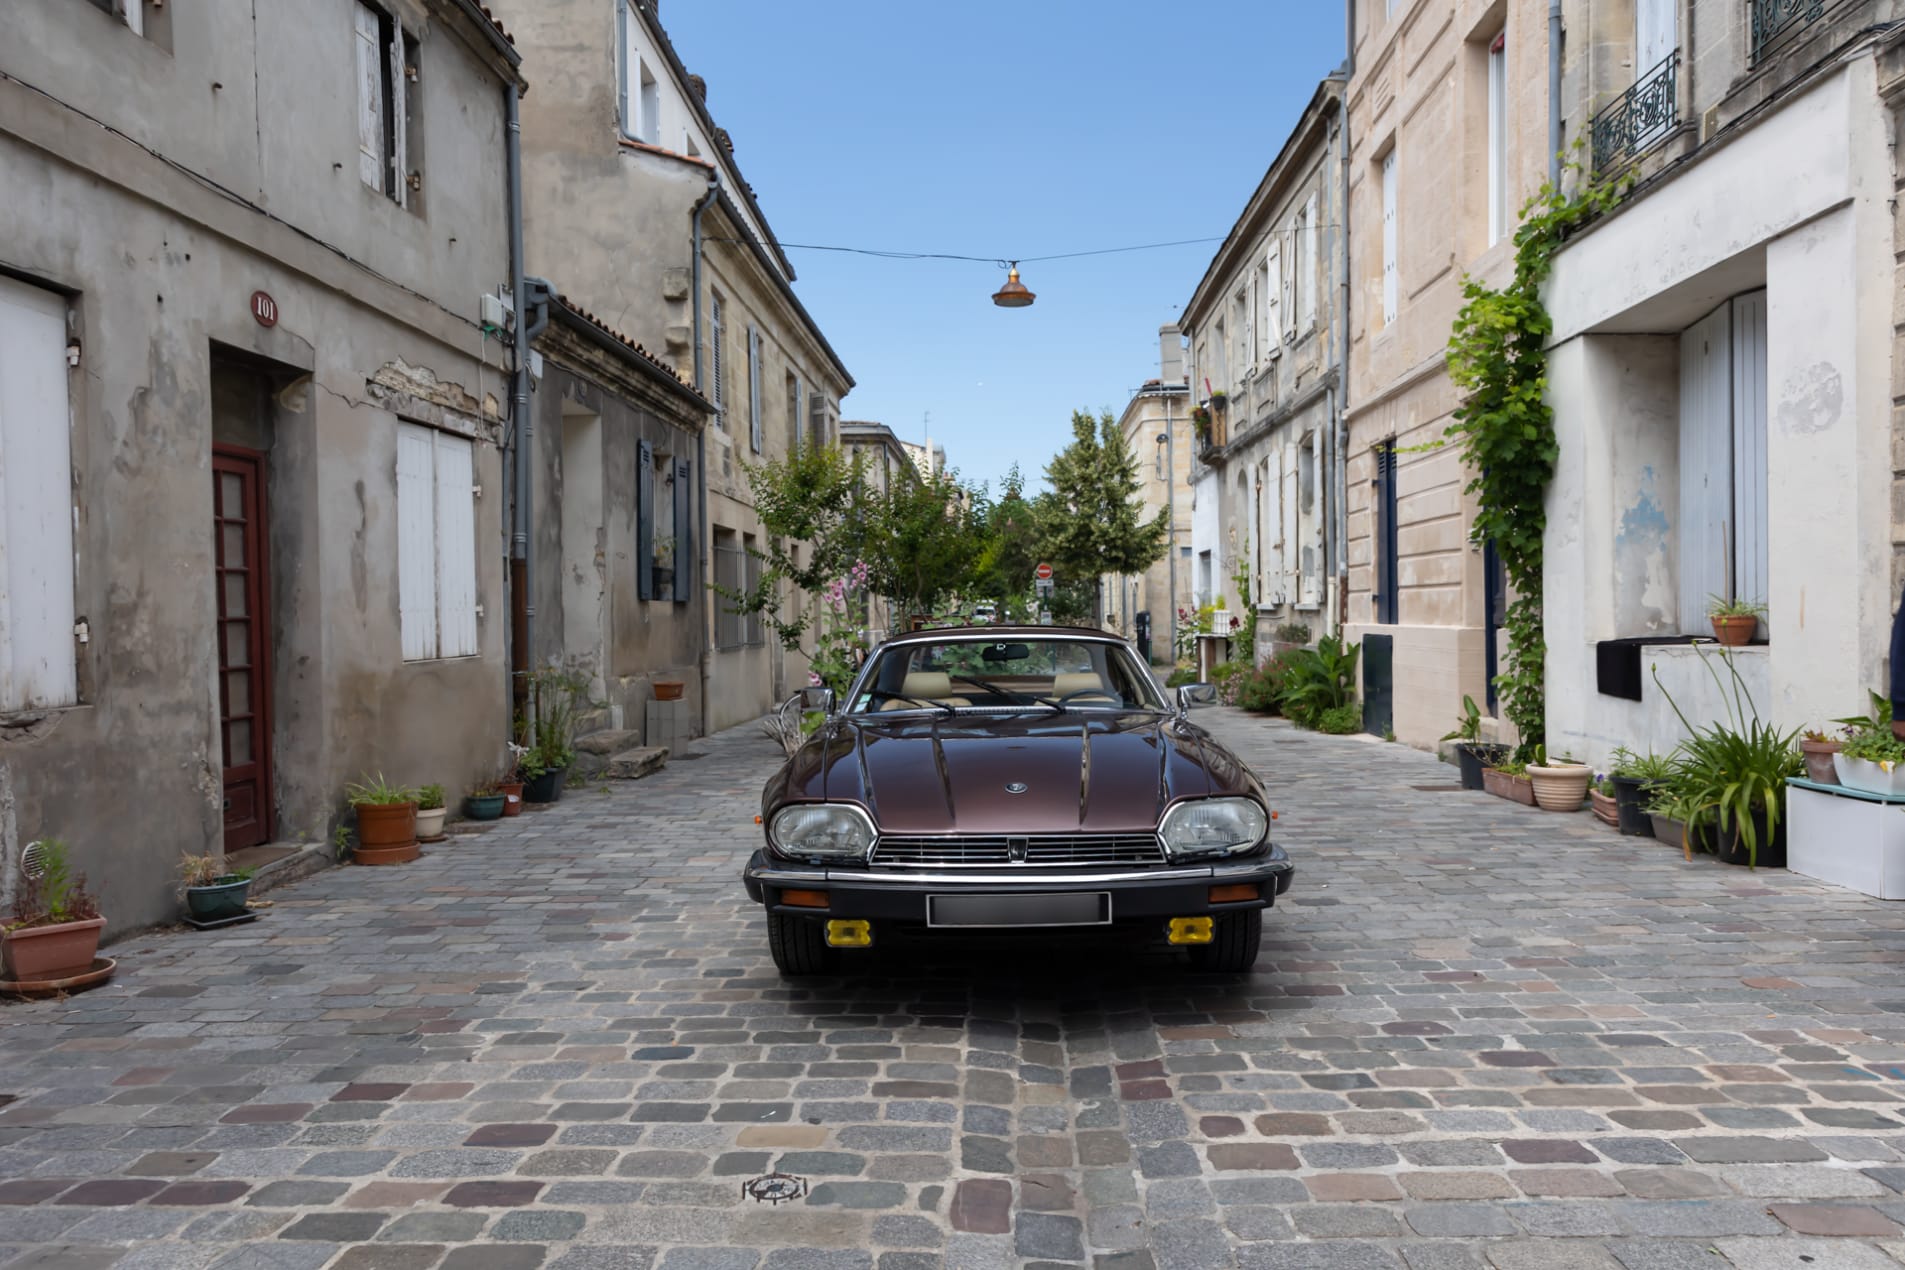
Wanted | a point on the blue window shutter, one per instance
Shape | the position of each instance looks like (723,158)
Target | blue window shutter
(684,529)
(644,521)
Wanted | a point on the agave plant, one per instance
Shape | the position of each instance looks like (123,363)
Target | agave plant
(1736,769)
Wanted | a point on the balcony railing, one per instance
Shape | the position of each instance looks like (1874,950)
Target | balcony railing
(1639,117)
(1773,20)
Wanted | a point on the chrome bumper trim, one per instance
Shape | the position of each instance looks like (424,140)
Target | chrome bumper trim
(1068,880)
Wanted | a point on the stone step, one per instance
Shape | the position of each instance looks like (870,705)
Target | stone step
(632,765)
(608,741)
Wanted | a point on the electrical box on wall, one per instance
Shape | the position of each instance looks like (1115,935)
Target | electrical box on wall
(497,310)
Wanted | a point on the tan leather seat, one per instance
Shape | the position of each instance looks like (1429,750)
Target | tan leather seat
(1086,682)
(926,685)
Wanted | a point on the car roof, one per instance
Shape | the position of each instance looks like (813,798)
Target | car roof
(940,633)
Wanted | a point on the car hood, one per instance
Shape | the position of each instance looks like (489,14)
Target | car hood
(1090,771)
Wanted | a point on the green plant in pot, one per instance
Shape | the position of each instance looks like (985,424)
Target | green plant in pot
(546,745)
(1471,755)
(52,932)
(386,821)
(1872,760)
(1317,681)
(1737,769)
(211,891)
(1734,621)
(1633,777)
(484,801)
(431,813)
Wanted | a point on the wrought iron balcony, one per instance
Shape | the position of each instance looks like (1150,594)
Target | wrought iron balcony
(1639,117)
(1773,20)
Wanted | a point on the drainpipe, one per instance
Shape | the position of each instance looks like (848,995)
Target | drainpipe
(1554,93)
(701,454)
(1340,393)
(1170,508)
(522,607)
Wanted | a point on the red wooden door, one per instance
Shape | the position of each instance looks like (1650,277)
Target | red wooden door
(244,680)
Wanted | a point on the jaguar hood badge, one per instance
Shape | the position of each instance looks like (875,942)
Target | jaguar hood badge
(1016,787)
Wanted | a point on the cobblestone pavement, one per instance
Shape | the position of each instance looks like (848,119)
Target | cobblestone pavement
(1479,1035)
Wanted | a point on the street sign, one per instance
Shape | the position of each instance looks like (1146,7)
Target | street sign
(1045,617)
(1043,573)
(1043,586)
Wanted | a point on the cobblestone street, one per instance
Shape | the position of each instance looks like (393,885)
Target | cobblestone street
(1479,1035)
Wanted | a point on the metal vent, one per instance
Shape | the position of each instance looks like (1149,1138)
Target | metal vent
(33,860)
(1041,851)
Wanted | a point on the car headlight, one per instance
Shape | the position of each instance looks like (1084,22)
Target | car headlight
(832,831)
(1213,827)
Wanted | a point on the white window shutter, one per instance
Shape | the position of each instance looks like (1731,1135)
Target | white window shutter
(754,388)
(456,546)
(134,12)
(1290,551)
(1750,538)
(1273,529)
(715,340)
(37,669)
(1250,307)
(623,55)
(1389,268)
(1656,32)
(399,104)
(1706,466)
(416,541)
(1312,545)
(1273,262)
(1306,280)
(370,97)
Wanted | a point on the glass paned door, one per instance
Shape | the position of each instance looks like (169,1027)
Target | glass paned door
(238,538)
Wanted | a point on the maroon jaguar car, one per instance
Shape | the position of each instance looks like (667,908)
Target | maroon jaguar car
(1013,779)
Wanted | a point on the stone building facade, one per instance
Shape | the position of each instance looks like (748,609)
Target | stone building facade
(1723,366)
(637,210)
(250,417)
(1264,330)
(1157,431)
(1448,112)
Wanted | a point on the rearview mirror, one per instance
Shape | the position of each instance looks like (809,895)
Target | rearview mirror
(1190,695)
(820,699)
(1006,652)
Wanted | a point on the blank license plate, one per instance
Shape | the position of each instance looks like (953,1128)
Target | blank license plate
(1072,908)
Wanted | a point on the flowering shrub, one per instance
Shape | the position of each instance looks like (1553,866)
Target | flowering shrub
(836,638)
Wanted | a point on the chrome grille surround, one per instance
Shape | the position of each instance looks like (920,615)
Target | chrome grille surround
(1031,851)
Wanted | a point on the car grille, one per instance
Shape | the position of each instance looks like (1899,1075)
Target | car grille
(1039,850)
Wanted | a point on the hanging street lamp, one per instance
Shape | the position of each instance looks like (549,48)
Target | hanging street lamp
(1013,295)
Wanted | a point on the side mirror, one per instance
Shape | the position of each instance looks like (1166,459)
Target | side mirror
(1192,695)
(820,699)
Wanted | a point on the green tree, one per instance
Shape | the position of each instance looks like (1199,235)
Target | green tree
(817,524)
(1007,533)
(923,542)
(1090,521)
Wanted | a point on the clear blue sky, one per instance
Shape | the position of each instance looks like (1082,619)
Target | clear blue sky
(988,128)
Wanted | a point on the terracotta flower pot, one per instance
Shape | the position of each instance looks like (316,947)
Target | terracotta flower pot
(512,797)
(1819,768)
(668,689)
(1734,631)
(1560,786)
(1516,789)
(386,833)
(1606,810)
(59,951)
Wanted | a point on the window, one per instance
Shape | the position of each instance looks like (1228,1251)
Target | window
(638,91)
(131,12)
(1389,237)
(1723,470)
(817,417)
(1204,572)
(730,575)
(386,62)
(751,631)
(1216,372)
(664,525)
(793,413)
(37,668)
(1240,332)
(1270,516)
(754,437)
(1309,527)
(1387,564)
(718,370)
(436,543)
(1498,138)
(1306,265)
(1656,33)
(1268,337)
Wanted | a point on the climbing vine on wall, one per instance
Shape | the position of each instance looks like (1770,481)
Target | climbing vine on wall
(1498,355)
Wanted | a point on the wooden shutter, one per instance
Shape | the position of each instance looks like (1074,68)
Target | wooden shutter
(623,55)
(1290,548)
(1706,465)
(1273,529)
(1306,262)
(37,667)
(1750,575)
(754,438)
(399,186)
(134,12)
(645,520)
(370,96)
(716,364)
(1253,352)
(817,418)
(456,547)
(416,541)
(1656,32)
(1389,267)
(1273,263)
(793,415)
(684,529)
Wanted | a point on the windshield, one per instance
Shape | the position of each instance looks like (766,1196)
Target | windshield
(1018,673)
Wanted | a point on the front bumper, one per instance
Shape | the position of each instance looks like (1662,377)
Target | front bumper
(899,895)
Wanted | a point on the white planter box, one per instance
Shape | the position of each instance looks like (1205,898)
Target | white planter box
(1846,838)
(1863,773)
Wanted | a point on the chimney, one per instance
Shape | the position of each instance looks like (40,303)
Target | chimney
(1170,355)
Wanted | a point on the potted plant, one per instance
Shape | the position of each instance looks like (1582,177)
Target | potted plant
(430,813)
(1200,422)
(668,689)
(1560,785)
(1509,779)
(1601,796)
(213,893)
(1677,818)
(1873,760)
(1737,770)
(386,821)
(663,568)
(1634,777)
(510,783)
(1818,749)
(484,801)
(548,742)
(1734,621)
(53,931)
(1471,755)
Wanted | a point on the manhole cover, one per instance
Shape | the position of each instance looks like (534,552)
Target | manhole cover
(775,1188)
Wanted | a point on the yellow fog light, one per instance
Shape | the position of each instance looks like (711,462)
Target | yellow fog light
(856,934)
(1190,930)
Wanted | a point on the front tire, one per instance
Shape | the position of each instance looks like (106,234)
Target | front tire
(798,945)
(1235,939)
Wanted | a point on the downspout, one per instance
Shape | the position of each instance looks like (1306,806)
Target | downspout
(522,605)
(1340,394)
(1170,508)
(706,550)
(1554,93)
